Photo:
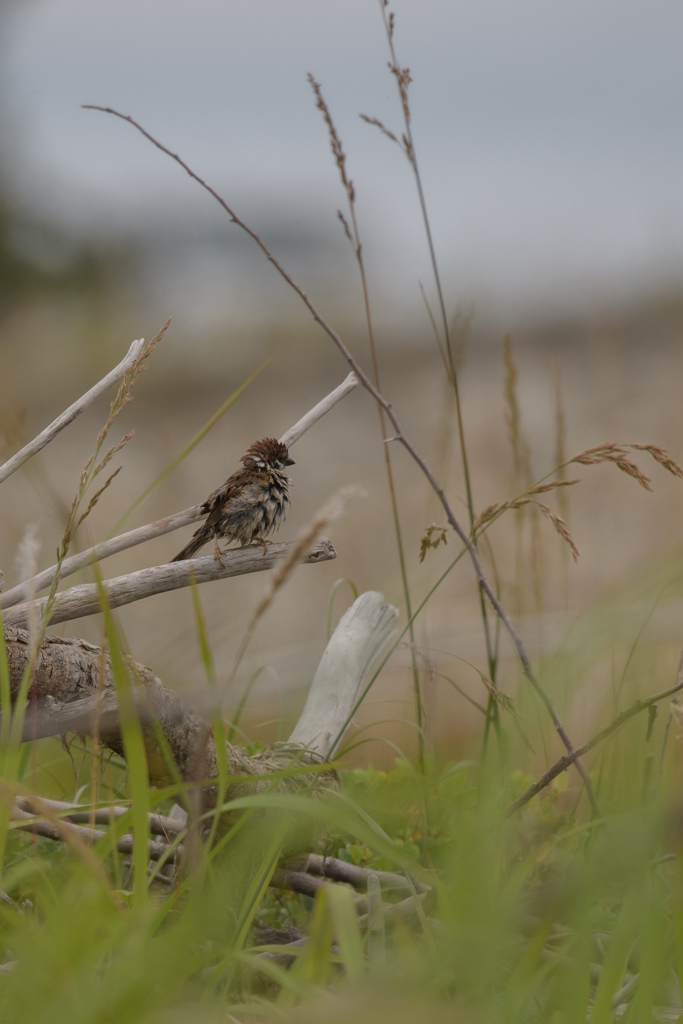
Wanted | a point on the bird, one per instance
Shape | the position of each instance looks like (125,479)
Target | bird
(250,504)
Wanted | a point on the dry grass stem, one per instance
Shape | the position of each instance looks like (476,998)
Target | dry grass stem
(616,453)
(492,511)
(335,142)
(353,234)
(378,124)
(661,456)
(570,758)
(93,467)
(551,486)
(561,527)
(521,453)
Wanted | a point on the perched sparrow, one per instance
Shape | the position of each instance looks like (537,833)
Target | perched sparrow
(250,504)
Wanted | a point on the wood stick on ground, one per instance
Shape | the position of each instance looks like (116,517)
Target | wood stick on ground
(308,885)
(85,600)
(68,694)
(159,824)
(25,591)
(342,871)
(28,822)
(70,414)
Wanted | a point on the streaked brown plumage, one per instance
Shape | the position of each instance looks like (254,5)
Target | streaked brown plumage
(250,504)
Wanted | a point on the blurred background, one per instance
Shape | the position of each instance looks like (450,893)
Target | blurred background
(551,151)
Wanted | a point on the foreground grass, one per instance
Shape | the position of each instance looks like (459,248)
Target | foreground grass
(541,916)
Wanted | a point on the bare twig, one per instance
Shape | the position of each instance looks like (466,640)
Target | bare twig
(62,831)
(70,414)
(85,599)
(307,885)
(159,824)
(482,579)
(343,871)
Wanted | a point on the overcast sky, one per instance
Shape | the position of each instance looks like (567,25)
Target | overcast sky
(550,134)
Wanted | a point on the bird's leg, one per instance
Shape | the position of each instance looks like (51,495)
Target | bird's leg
(218,553)
(264,543)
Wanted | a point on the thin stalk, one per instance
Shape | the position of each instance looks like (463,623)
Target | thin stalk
(402,80)
(570,758)
(354,237)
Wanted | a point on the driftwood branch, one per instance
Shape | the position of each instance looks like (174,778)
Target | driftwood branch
(360,636)
(159,824)
(85,599)
(73,691)
(358,877)
(308,885)
(25,591)
(292,435)
(70,414)
(60,830)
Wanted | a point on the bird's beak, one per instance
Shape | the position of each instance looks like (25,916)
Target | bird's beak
(290,462)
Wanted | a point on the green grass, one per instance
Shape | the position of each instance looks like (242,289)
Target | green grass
(545,916)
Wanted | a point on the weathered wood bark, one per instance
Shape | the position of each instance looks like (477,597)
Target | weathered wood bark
(84,599)
(73,690)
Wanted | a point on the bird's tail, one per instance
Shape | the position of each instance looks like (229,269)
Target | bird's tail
(190,550)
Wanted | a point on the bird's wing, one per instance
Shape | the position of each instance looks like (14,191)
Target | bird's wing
(216,502)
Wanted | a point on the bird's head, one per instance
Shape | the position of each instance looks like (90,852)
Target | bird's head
(267,454)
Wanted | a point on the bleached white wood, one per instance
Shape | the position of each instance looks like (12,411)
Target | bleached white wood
(361,634)
(85,599)
(292,435)
(99,552)
(70,414)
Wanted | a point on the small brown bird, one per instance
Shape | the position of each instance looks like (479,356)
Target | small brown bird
(250,504)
